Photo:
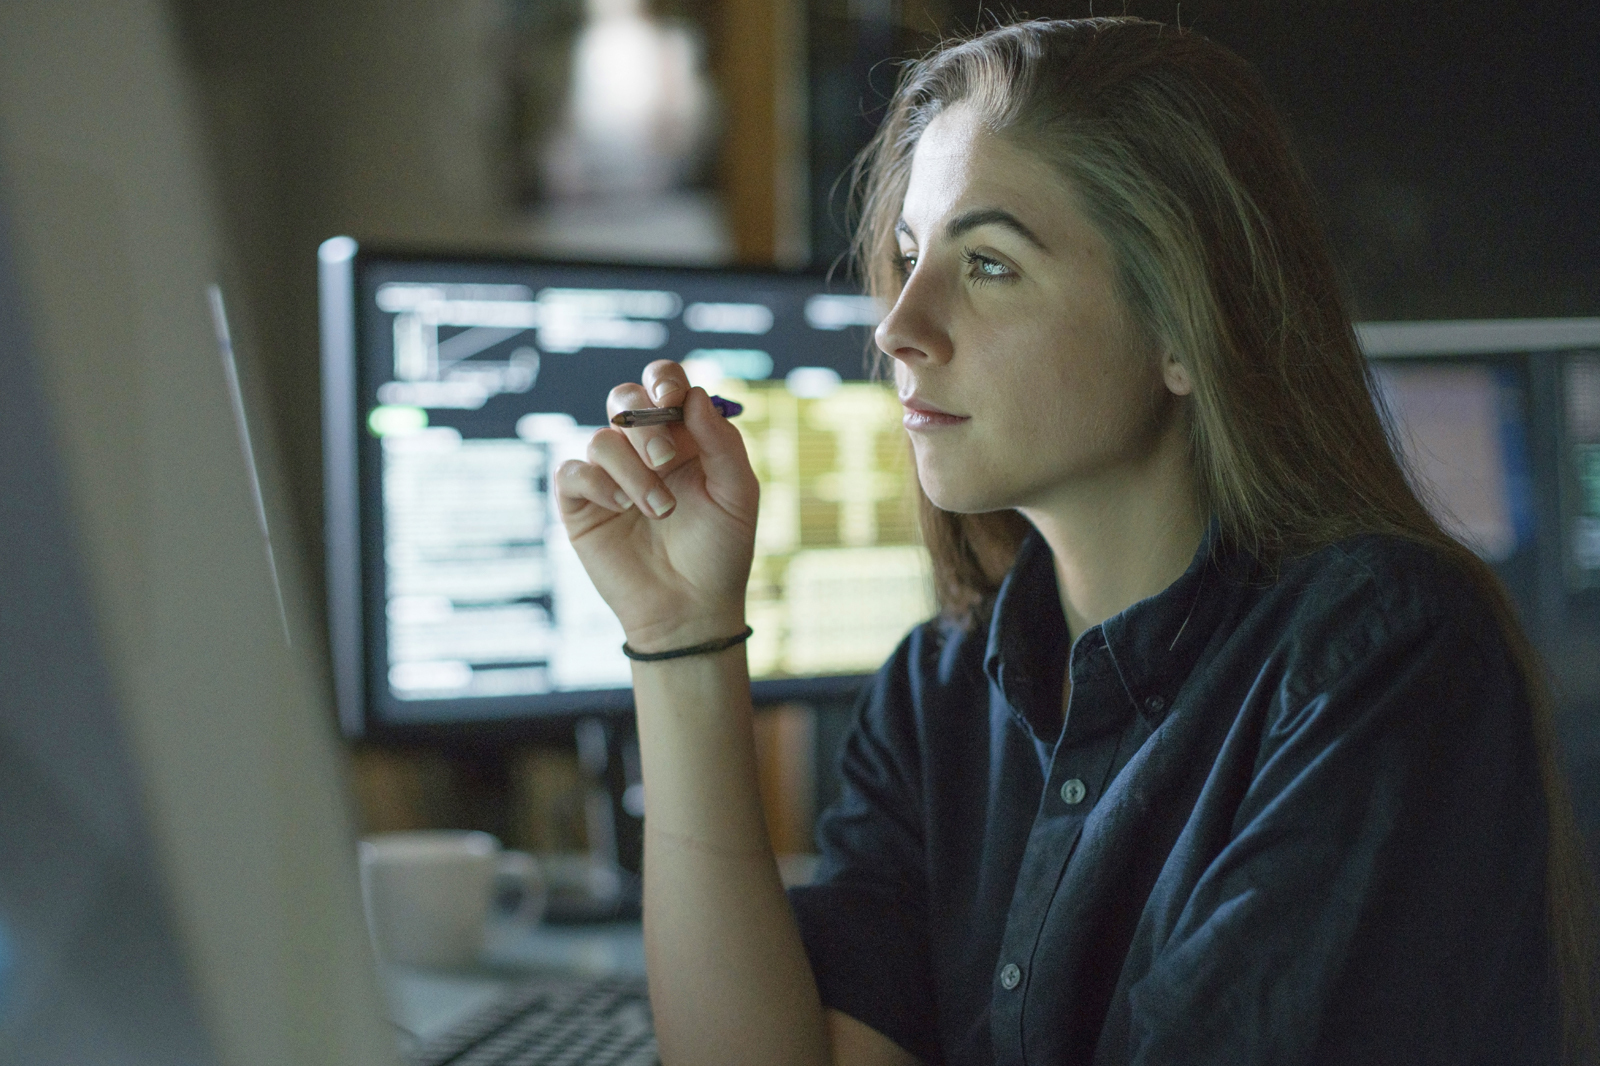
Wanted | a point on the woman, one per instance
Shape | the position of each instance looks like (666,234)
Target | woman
(1290,796)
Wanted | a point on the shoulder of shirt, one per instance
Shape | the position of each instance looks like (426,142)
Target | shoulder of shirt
(936,656)
(1401,576)
(1358,594)
(940,650)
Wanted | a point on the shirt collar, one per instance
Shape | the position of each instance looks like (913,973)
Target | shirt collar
(1152,646)
(1026,657)
(1156,642)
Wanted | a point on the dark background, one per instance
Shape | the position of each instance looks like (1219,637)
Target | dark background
(1455,146)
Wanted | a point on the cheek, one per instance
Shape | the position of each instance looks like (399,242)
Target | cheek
(1091,398)
(1047,379)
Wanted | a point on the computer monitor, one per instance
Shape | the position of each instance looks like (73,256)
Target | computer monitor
(178,882)
(1499,423)
(1461,425)
(1580,428)
(455,386)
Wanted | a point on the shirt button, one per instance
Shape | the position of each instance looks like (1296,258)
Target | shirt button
(1072,792)
(1154,703)
(1010,976)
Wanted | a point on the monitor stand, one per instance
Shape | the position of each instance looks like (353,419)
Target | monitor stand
(610,888)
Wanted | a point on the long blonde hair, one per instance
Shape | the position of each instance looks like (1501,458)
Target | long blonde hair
(1183,166)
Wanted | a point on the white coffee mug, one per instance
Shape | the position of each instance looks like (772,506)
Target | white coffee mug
(427,893)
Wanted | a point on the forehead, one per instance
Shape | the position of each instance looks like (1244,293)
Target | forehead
(961,164)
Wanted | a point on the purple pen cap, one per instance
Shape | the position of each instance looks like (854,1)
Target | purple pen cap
(726,408)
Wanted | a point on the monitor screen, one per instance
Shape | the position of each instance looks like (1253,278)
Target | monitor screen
(454,388)
(1460,426)
(1581,481)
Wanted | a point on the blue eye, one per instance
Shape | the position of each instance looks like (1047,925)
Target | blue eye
(984,268)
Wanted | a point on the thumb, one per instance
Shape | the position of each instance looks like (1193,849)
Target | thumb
(722,452)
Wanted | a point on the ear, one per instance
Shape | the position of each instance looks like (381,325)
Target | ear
(1175,375)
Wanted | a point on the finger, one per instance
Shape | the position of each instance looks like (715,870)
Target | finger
(722,452)
(611,449)
(579,484)
(629,396)
(667,382)
(657,445)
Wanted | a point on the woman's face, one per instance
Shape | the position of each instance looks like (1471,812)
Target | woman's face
(1024,383)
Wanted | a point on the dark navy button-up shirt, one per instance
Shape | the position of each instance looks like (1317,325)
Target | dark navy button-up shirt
(1290,816)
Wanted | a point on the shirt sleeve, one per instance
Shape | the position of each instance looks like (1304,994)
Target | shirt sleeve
(1380,897)
(864,920)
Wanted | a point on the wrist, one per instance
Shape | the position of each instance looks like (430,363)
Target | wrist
(702,629)
(709,647)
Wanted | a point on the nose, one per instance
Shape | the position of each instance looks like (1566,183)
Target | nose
(914,330)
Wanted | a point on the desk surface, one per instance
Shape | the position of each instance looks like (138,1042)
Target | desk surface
(426,1002)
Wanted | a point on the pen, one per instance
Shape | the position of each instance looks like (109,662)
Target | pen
(655,416)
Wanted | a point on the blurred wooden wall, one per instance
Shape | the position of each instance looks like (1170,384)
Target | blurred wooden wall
(759,62)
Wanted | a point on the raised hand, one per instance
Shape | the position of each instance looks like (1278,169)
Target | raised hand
(663,518)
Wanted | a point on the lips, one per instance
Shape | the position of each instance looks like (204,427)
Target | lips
(921,414)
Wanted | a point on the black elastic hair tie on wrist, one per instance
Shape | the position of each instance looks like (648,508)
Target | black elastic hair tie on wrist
(721,644)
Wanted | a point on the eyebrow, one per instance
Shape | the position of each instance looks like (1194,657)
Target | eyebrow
(983,216)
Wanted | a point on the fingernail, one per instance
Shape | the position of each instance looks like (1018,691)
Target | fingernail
(660,502)
(660,451)
(726,408)
(623,500)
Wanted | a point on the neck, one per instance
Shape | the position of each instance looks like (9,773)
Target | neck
(1124,535)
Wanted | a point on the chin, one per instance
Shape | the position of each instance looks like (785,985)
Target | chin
(965,478)
(963,495)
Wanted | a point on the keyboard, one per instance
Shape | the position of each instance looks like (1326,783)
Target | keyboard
(552,1021)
